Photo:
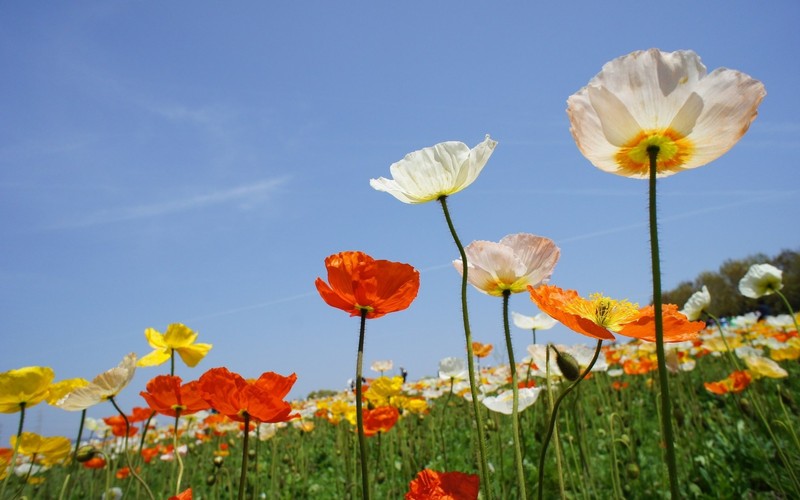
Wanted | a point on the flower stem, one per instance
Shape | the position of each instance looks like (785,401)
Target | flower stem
(521,493)
(13,461)
(666,408)
(482,463)
(125,451)
(788,308)
(243,475)
(554,414)
(177,453)
(362,440)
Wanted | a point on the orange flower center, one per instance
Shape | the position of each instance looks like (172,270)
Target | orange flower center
(674,150)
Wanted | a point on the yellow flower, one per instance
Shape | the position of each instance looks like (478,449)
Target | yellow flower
(382,389)
(59,390)
(179,338)
(48,450)
(24,387)
(764,367)
(785,354)
(665,100)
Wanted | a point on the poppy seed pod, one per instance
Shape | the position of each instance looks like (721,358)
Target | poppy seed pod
(85,453)
(567,364)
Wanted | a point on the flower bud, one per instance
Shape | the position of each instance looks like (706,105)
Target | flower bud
(567,364)
(218,461)
(211,479)
(85,453)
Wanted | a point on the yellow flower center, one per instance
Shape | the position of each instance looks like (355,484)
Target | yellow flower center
(603,311)
(674,150)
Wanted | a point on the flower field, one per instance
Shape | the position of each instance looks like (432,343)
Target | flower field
(694,406)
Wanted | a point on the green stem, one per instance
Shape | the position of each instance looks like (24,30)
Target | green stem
(788,308)
(512,364)
(16,450)
(666,404)
(731,356)
(554,414)
(362,440)
(482,461)
(177,453)
(125,449)
(245,442)
(80,434)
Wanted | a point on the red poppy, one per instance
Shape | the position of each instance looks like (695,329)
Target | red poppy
(259,400)
(123,473)
(736,382)
(149,453)
(380,419)
(140,414)
(360,283)
(97,462)
(432,485)
(183,495)
(117,424)
(167,396)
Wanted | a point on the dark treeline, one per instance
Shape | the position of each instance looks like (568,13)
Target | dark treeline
(724,286)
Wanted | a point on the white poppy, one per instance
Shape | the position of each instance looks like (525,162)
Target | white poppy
(760,280)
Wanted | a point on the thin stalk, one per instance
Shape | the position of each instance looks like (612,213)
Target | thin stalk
(245,442)
(788,308)
(666,404)
(554,415)
(482,461)
(512,364)
(551,406)
(13,461)
(177,453)
(125,450)
(362,440)
(78,440)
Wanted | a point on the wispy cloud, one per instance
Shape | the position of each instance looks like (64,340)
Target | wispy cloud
(246,196)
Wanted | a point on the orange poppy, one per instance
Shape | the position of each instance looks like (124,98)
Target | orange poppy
(735,382)
(123,473)
(357,282)
(183,495)
(481,350)
(95,463)
(381,419)
(236,398)
(677,326)
(140,414)
(148,454)
(167,396)
(117,424)
(432,485)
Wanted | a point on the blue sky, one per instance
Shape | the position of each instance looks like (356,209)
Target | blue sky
(196,162)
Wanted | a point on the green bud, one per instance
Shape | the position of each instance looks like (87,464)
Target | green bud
(211,479)
(632,470)
(85,453)
(567,364)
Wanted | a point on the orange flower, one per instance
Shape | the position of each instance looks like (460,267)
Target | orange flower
(736,382)
(139,414)
(381,419)
(183,495)
(96,462)
(618,386)
(598,316)
(149,453)
(236,398)
(167,396)
(432,485)
(677,326)
(360,283)
(117,424)
(639,366)
(481,350)
(123,473)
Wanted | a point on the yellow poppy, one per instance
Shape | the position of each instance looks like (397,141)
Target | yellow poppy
(178,338)
(24,387)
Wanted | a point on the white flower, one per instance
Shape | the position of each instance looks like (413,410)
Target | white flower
(517,261)
(666,100)
(781,321)
(104,386)
(452,368)
(760,280)
(696,304)
(440,170)
(382,366)
(503,402)
(540,321)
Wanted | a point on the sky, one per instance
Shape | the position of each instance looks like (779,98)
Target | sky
(195,162)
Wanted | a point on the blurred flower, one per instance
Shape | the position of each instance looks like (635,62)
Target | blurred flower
(481,350)
(261,400)
(24,387)
(502,403)
(432,485)
(114,493)
(49,450)
(781,321)
(102,387)
(517,261)
(433,172)
(662,99)
(382,389)
(539,321)
(452,368)
(166,395)
(380,419)
(760,280)
(677,327)
(764,367)
(382,366)
(735,382)
(183,495)
(59,389)
(360,283)
(697,303)
(178,338)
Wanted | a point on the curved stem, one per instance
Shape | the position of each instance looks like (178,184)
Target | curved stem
(553,416)
(788,308)
(666,404)
(125,450)
(362,440)
(515,402)
(728,349)
(243,475)
(473,388)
